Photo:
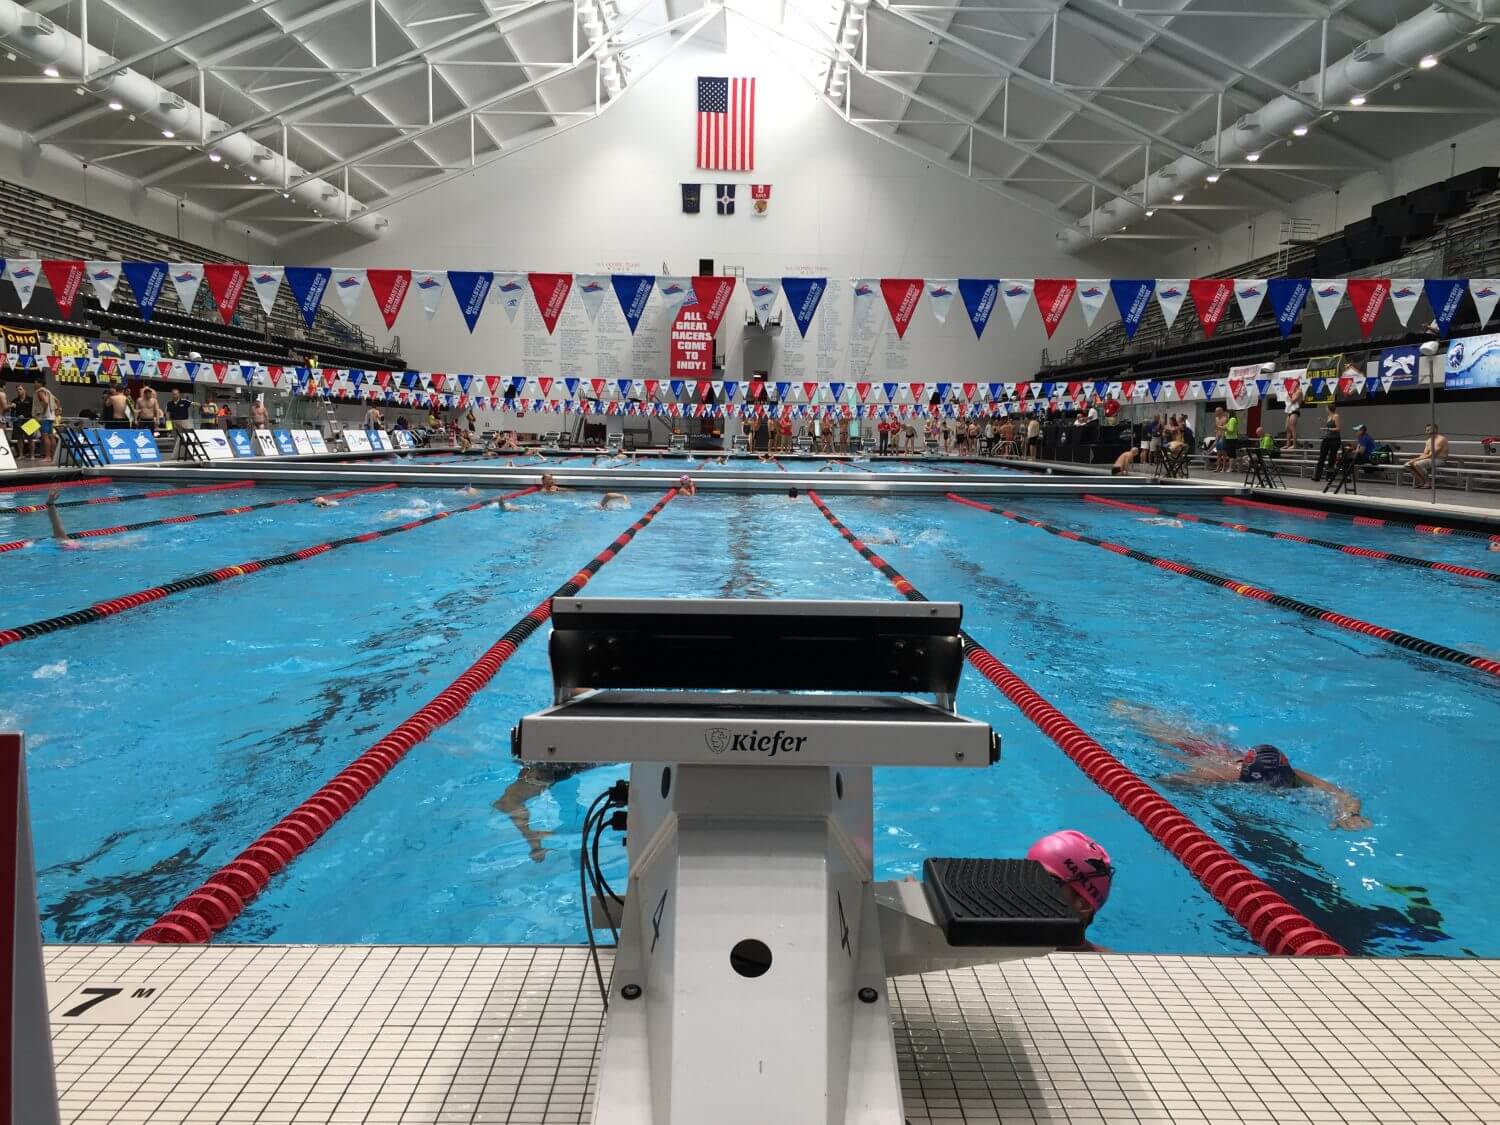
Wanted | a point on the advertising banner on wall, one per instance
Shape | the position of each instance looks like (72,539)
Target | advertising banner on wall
(1473,363)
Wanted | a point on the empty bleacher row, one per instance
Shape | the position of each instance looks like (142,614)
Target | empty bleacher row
(33,225)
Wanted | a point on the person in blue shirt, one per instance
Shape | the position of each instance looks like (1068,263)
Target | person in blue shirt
(1364,446)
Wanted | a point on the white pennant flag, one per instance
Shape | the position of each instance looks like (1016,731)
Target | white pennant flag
(1328,292)
(591,288)
(23,273)
(940,294)
(348,284)
(1485,291)
(267,282)
(429,287)
(186,277)
(864,291)
(1091,294)
(1016,292)
(1249,292)
(508,291)
(763,294)
(1170,293)
(104,276)
(1405,293)
(676,292)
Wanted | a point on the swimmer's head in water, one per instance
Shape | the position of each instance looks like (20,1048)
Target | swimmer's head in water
(791,493)
(549,481)
(1266,765)
(1078,862)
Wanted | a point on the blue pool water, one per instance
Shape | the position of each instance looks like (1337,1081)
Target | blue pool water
(164,740)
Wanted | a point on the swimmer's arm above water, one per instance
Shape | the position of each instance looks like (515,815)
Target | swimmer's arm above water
(1346,805)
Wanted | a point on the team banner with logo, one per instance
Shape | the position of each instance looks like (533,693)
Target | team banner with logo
(1485,291)
(1249,292)
(389,288)
(1328,294)
(979,295)
(633,291)
(1132,299)
(763,294)
(1405,293)
(470,288)
(675,292)
(267,282)
(348,284)
(104,276)
(308,284)
(146,281)
(711,296)
(803,295)
(1367,296)
(1473,363)
(1053,295)
(1016,292)
(1170,293)
(901,297)
(1091,292)
(1398,367)
(226,282)
(1287,296)
(429,287)
(551,293)
(1211,301)
(23,274)
(65,277)
(591,290)
(1445,295)
(940,294)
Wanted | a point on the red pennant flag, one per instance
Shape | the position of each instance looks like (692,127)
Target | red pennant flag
(329,375)
(493,382)
(809,389)
(545,382)
(275,374)
(383,378)
(226,281)
(1127,390)
(1022,390)
(163,368)
(1211,300)
(1182,389)
(1367,295)
(713,295)
(551,292)
(1073,389)
(1237,388)
(863,390)
(389,288)
(219,369)
(437,379)
(901,297)
(598,385)
(916,389)
(703,388)
(969,389)
(651,386)
(53,360)
(1346,385)
(65,277)
(1053,295)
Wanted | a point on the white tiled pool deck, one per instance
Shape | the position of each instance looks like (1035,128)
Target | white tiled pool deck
(465,1034)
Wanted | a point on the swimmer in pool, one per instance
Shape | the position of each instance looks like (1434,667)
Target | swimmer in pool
(686,486)
(609,499)
(1211,762)
(549,484)
(60,533)
(468,490)
(1082,868)
(791,494)
(534,779)
(324,502)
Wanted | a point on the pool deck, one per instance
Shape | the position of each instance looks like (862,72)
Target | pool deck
(447,1034)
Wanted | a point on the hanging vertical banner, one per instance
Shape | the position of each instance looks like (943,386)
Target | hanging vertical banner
(307,284)
(1017,294)
(1131,299)
(863,291)
(1170,293)
(146,280)
(509,289)
(591,290)
(104,276)
(692,196)
(1485,291)
(763,294)
(633,291)
(1287,296)
(1091,292)
(1367,297)
(1328,293)
(675,292)
(267,281)
(23,273)
(711,296)
(979,295)
(691,350)
(1405,293)
(760,199)
(226,282)
(389,288)
(1445,295)
(940,294)
(901,297)
(1210,301)
(551,293)
(65,277)
(470,288)
(429,287)
(1053,295)
(1249,292)
(186,278)
(803,295)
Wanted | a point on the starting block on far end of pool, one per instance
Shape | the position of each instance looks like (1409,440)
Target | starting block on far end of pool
(749,984)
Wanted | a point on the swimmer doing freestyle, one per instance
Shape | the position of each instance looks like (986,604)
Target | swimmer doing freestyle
(1212,762)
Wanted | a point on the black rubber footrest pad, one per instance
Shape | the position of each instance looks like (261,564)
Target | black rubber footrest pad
(999,902)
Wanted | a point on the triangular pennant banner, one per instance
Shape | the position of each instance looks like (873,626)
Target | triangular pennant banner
(389,288)
(803,295)
(1132,298)
(712,296)
(1017,294)
(104,276)
(1053,295)
(470,288)
(940,294)
(551,293)
(763,294)
(591,290)
(226,281)
(675,292)
(1405,293)
(65,277)
(1367,297)
(1485,291)
(1210,300)
(429,286)
(1170,293)
(1445,295)
(267,282)
(1091,294)
(633,291)
(146,280)
(508,292)
(901,297)
(1249,292)
(979,295)
(186,278)
(23,274)
(863,292)
(348,284)
(1287,295)
(1328,294)
(308,284)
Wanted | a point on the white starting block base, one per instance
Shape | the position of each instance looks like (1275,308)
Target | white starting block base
(439,1035)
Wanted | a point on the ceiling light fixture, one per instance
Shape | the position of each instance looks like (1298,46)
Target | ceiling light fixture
(1212,177)
(215,157)
(1178,198)
(1151,212)
(51,71)
(1427,62)
(1357,100)
(253,177)
(1252,156)
(168,134)
(1299,131)
(116,106)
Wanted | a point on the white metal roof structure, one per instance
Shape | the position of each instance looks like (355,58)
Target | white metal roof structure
(1114,118)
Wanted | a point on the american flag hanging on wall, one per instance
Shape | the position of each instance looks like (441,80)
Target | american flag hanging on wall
(726,124)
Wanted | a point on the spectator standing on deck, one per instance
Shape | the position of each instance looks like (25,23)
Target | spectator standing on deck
(46,411)
(1221,446)
(20,414)
(1328,452)
(1433,454)
(1293,412)
(148,410)
(1034,438)
(179,410)
(260,419)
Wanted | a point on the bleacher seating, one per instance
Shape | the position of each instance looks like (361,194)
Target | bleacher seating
(33,225)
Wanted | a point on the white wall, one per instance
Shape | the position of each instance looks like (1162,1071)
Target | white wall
(605,197)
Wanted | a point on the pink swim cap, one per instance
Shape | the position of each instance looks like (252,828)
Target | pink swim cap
(683,479)
(1073,858)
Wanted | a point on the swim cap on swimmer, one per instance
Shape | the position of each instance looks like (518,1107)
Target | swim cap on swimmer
(1266,765)
(684,479)
(1073,858)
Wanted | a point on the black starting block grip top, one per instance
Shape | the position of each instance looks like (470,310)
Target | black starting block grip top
(696,644)
(1008,902)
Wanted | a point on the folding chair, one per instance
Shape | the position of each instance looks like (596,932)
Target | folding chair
(1171,465)
(739,444)
(1343,478)
(677,443)
(1260,470)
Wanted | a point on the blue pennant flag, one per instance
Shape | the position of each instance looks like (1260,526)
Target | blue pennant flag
(1287,296)
(572,385)
(802,296)
(624,385)
(943,389)
(890,389)
(1154,387)
(837,390)
(1132,298)
(677,385)
(409,380)
(996,390)
(356,376)
(1100,388)
(247,373)
(783,389)
(633,290)
(191,367)
(518,383)
(470,288)
(1047,389)
(302,375)
(1262,386)
(979,295)
(1208,387)
(1316,386)
(464,382)
(730,386)
(307,284)
(1445,295)
(135,367)
(146,280)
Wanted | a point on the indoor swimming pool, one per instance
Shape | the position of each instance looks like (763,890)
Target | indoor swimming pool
(166,738)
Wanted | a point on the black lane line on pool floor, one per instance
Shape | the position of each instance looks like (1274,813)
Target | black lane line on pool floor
(1272,922)
(1254,593)
(100,610)
(27,509)
(222,897)
(194,517)
(1326,544)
